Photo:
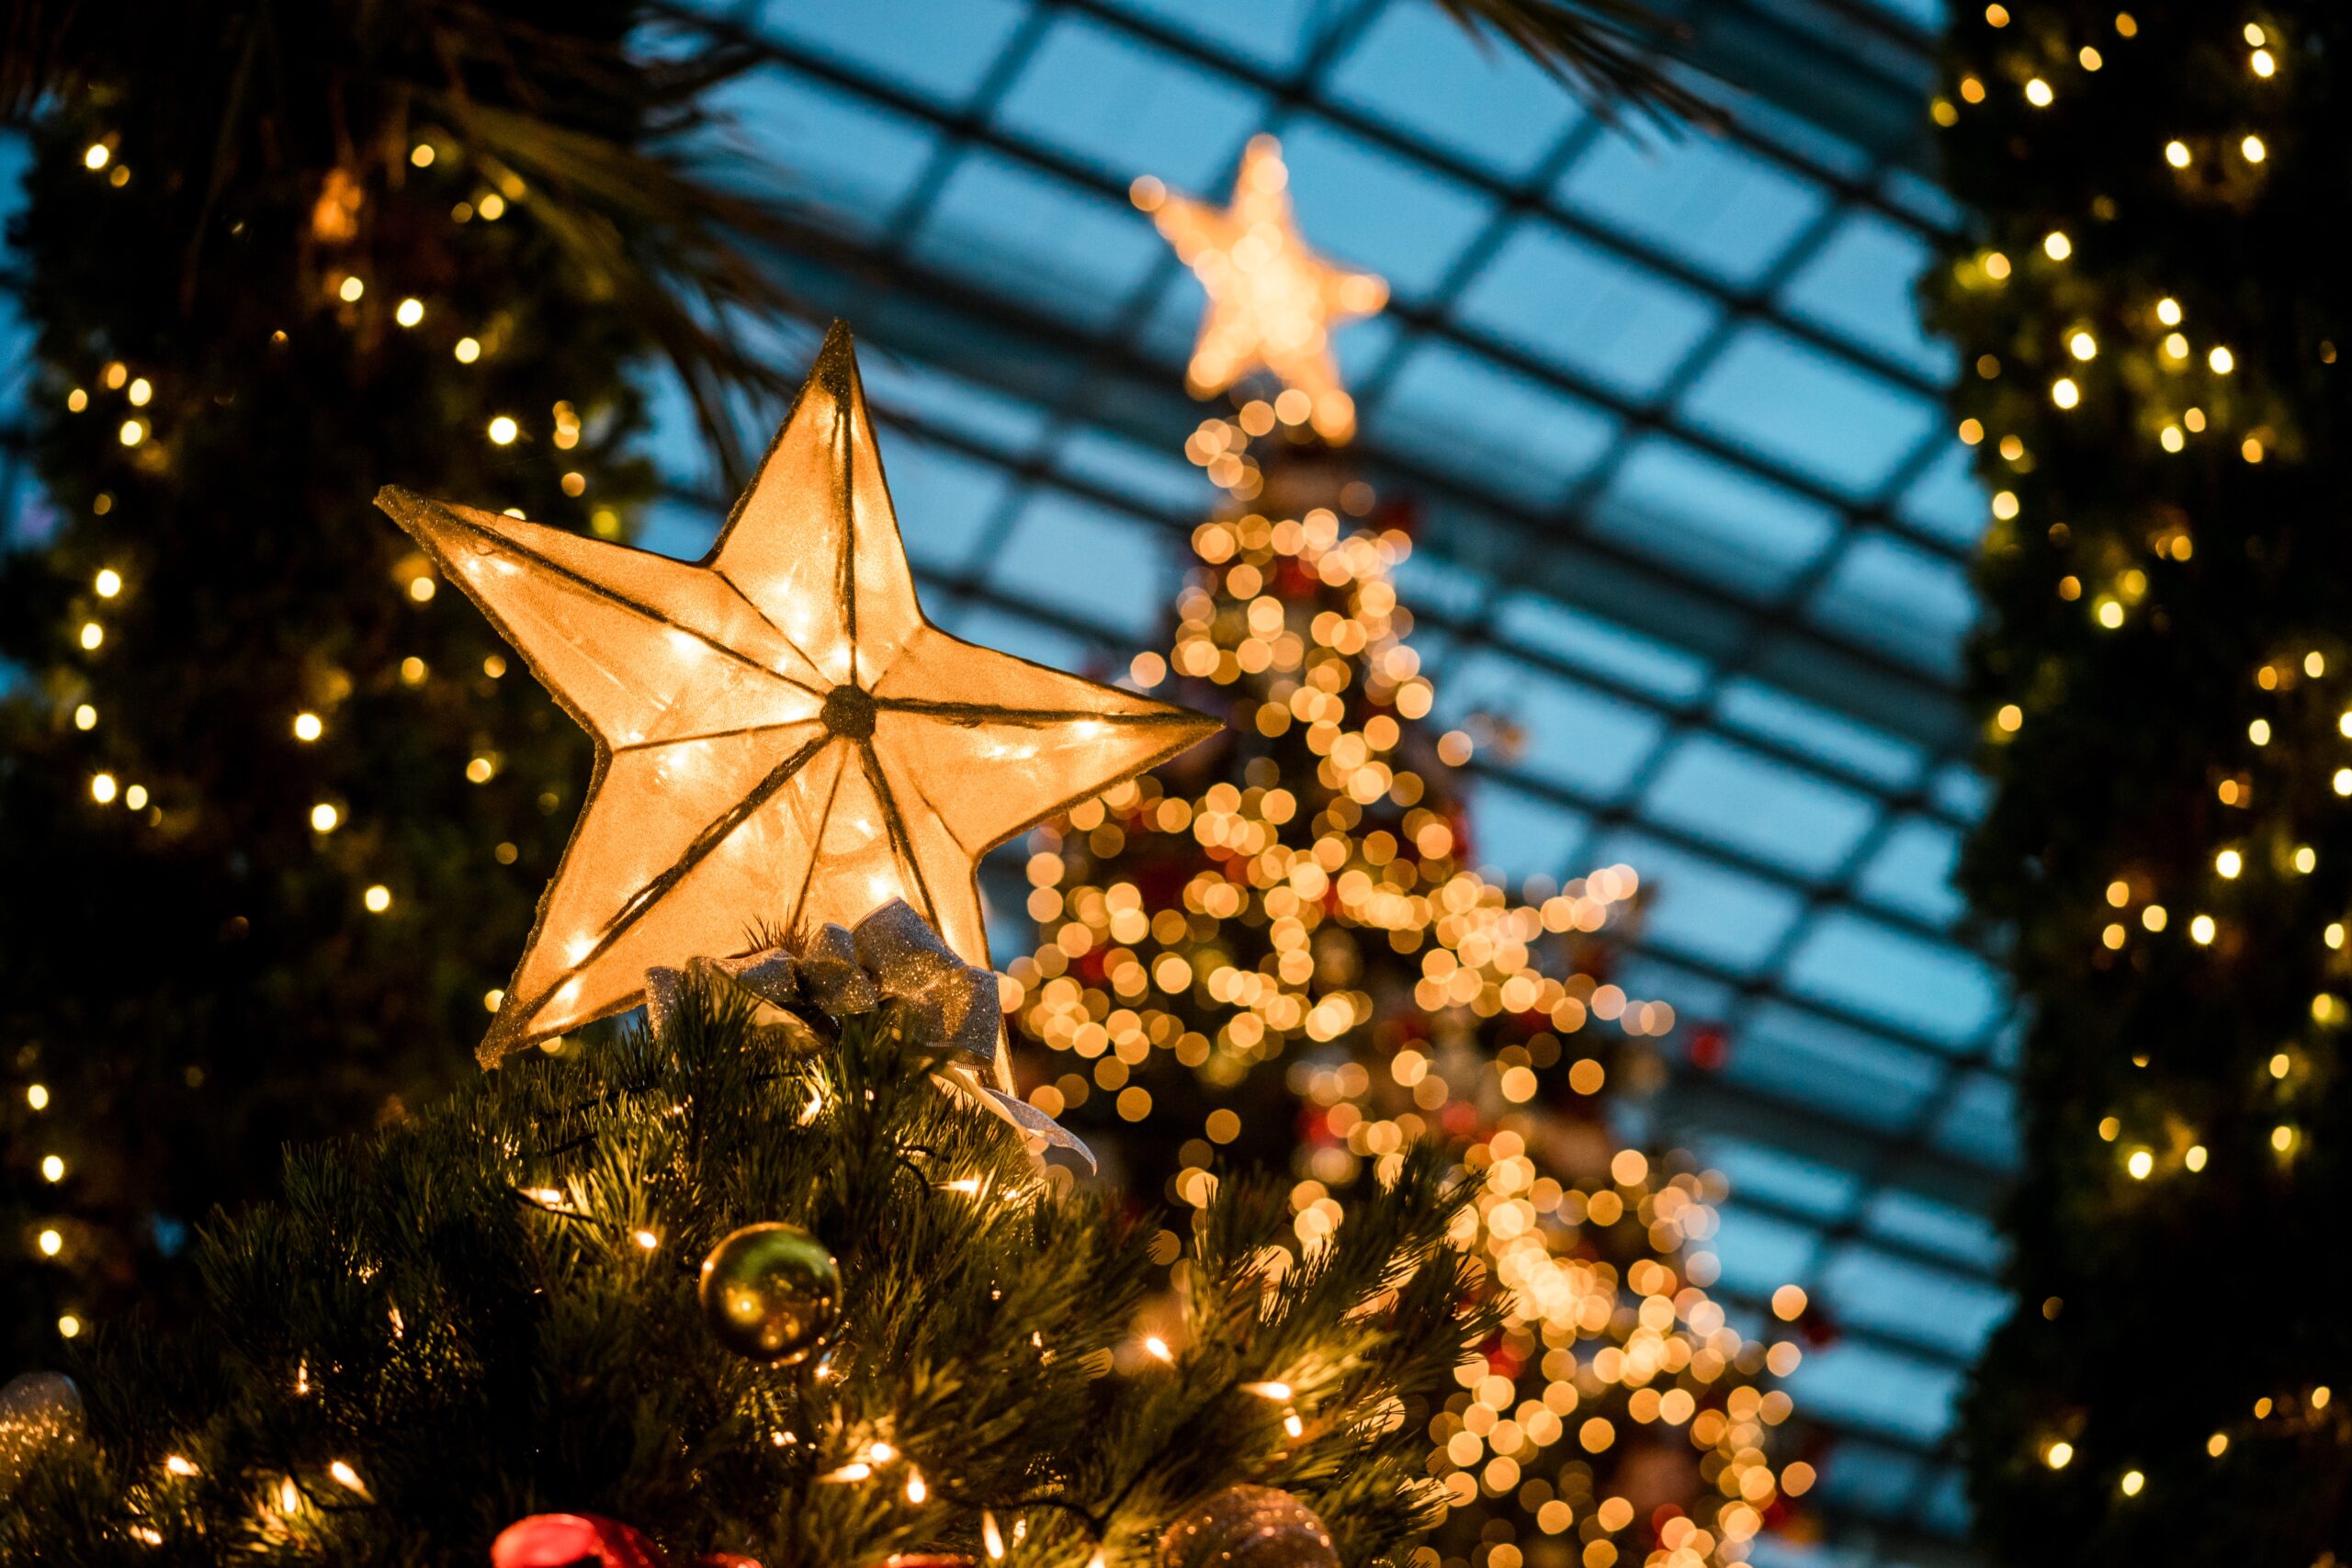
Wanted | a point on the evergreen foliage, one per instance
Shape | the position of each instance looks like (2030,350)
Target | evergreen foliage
(228,204)
(2150,321)
(491,1311)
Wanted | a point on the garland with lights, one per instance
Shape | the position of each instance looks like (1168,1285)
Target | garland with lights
(276,815)
(750,1285)
(2150,325)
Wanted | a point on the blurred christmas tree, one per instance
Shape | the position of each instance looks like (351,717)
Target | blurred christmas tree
(275,813)
(2154,388)
(1278,945)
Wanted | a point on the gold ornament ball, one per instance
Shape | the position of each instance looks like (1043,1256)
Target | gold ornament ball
(771,1292)
(39,1412)
(1247,1527)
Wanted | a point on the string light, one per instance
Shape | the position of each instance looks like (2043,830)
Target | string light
(1239,963)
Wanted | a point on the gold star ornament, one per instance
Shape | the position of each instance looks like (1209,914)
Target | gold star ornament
(782,740)
(1272,301)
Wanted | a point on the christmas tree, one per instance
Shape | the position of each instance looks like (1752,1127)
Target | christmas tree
(754,1288)
(1278,947)
(2151,341)
(275,812)
(779,1274)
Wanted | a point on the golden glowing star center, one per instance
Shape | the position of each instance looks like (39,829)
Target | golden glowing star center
(782,738)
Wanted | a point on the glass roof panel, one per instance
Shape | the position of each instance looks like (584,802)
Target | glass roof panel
(1088,562)
(1265,33)
(1586,310)
(1925,988)
(1020,233)
(1459,412)
(1110,101)
(1572,736)
(1699,908)
(938,51)
(855,160)
(1714,206)
(1859,286)
(1791,403)
(1732,797)
(1369,208)
(1490,105)
(1671,501)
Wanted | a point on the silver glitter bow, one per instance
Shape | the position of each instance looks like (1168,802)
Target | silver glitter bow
(892,956)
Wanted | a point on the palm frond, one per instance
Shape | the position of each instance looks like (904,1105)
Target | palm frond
(1612,53)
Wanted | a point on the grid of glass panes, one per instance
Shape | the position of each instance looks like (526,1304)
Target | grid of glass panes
(1693,536)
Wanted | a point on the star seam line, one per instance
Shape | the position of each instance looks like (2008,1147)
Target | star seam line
(901,843)
(705,842)
(558,570)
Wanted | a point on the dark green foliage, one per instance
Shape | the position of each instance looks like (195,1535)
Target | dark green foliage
(2157,1313)
(418,1307)
(199,979)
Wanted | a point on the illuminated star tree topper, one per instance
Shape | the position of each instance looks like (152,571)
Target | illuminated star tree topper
(1272,301)
(782,740)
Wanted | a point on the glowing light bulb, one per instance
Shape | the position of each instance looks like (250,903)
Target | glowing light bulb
(324,817)
(102,788)
(504,430)
(96,154)
(378,898)
(410,312)
(308,727)
(108,582)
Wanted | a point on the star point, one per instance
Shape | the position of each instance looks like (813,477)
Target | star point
(782,738)
(1272,300)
